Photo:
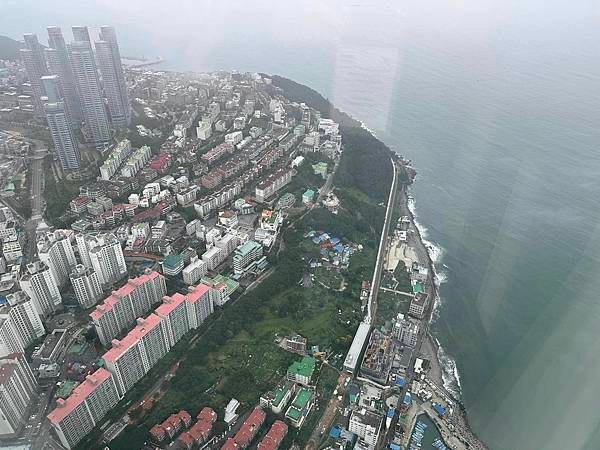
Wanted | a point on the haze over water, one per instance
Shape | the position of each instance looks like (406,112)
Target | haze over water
(498,105)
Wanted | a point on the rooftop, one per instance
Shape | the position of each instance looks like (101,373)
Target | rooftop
(80,393)
(305,367)
(133,337)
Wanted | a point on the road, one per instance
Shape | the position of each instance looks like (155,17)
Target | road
(37,202)
(372,303)
(328,416)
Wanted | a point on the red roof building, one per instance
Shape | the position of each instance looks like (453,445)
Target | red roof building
(158,433)
(201,430)
(274,437)
(230,444)
(248,430)
(186,440)
(185,417)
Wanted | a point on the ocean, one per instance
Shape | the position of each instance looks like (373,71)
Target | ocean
(497,103)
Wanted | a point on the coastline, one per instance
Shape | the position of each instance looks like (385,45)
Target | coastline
(431,348)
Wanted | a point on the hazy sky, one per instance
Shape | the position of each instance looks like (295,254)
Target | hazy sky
(203,33)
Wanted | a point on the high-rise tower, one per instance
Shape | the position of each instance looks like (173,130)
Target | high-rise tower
(35,65)
(60,123)
(111,69)
(57,58)
(90,92)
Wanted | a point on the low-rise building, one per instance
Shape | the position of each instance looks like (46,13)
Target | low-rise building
(248,258)
(278,398)
(300,407)
(172,265)
(302,371)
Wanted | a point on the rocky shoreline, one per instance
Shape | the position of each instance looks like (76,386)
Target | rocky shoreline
(430,348)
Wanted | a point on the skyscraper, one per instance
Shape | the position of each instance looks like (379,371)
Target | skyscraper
(35,65)
(60,123)
(57,58)
(81,34)
(111,69)
(90,92)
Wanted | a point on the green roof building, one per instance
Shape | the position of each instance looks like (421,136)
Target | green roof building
(300,407)
(278,398)
(302,371)
(308,196)
(172,265)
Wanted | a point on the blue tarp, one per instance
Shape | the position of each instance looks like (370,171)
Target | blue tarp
(407,399)
(339,248)
(395,447)
(334,241)
(400,382)
(391,412)
(335,432)
(439,408)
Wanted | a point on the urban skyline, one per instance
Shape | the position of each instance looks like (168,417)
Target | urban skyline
(89,89)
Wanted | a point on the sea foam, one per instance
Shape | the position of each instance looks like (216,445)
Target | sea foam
(450,375)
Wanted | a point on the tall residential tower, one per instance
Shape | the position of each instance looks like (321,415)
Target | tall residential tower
(35,65)
(90,92)
(111,69)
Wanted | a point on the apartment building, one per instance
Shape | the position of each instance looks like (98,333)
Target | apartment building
(17,389)
(119,311)
(74,417)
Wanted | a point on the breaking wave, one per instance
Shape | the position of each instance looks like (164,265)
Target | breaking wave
(450,375)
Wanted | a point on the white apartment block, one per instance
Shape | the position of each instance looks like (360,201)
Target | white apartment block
(86,285)
(116,157)
(11,248)
(20,324)
(227,244)
(17,389)
(194,271)
(366,425)
(106,258)
(203,130)
(136,161)
(406,330)
(213,257)
(39,284)
(234,138)
(56,251)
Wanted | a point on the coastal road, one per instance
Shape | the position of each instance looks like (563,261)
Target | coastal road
(372,303)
